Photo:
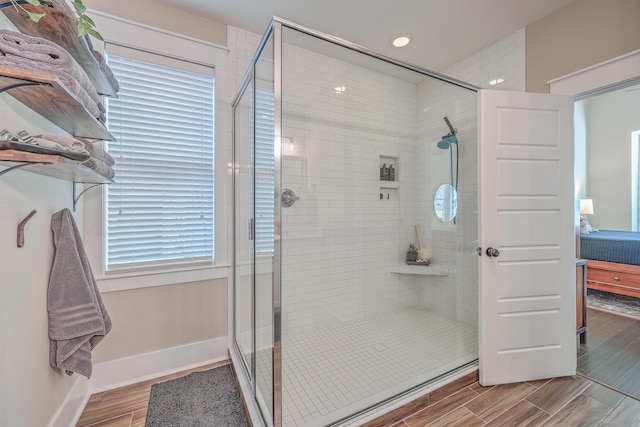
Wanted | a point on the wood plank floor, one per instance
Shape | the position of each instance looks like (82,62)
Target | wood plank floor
(126,406)
(612,353)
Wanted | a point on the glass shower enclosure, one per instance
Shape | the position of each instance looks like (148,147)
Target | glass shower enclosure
(336,173)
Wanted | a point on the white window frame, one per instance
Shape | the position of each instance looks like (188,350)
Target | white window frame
(139,36)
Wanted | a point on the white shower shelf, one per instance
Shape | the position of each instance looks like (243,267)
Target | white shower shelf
(389,184)
(423,270)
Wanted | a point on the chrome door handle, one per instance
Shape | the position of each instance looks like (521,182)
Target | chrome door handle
(492,252)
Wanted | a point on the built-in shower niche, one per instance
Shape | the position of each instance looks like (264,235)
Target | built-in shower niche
(389,171)
(389,177)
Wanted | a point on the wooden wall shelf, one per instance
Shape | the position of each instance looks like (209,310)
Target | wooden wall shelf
(53,166)
(60,25)
(52,100)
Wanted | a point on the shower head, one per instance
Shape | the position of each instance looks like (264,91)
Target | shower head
(446,141)
(450,138)
(452,131)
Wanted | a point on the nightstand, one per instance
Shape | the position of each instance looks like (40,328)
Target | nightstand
(581,299)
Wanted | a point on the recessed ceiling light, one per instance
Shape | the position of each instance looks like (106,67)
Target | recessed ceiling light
(496,81)
(401,40)
(339,89)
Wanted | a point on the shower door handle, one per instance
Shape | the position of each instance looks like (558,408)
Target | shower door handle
(250,229)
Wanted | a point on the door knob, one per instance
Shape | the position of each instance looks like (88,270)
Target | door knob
(492,252)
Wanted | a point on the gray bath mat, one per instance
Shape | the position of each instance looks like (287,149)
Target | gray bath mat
(200,399)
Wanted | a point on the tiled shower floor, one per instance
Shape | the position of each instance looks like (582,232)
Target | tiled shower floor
(335,372)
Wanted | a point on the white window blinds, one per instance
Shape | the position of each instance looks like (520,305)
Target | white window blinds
(264,182)
(160,211)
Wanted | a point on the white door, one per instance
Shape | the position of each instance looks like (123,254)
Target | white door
(527,285)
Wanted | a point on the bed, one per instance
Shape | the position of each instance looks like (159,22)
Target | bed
(613,261)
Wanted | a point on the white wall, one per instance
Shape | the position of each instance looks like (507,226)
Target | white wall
(610,120)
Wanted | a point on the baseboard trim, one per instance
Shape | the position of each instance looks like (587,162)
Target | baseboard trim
(141,367)
(71,409)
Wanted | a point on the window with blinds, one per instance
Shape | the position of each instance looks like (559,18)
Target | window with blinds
(160,211)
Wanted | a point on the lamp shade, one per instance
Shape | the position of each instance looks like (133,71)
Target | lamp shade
(586,206)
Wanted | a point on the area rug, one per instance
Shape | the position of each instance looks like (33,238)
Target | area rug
(200,399)
(619,304)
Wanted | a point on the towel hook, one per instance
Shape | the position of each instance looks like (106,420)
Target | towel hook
(21,228)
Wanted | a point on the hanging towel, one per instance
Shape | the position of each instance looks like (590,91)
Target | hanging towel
(78,320)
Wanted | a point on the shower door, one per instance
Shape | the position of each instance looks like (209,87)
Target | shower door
(254,217)
(243,237)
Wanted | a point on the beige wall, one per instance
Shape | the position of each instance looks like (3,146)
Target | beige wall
(152,319)
(157,15)
(581,34)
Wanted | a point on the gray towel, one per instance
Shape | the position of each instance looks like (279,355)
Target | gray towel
(106,70)
(98,152)
(101,167)
(78,320)
(37,54)
(63,142)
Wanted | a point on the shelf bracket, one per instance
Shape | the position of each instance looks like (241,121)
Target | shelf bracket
(24,83)
(21,165)
(76,195)
(21,225)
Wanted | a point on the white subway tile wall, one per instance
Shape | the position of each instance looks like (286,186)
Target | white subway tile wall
(340,239)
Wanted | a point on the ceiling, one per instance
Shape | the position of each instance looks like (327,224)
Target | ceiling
(444,31)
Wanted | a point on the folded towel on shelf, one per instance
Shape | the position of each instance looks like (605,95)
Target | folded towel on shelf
(101,167)
(68,81)
(64,142)
(106,70)
(98,152)
(78,319)
(42,142)
(103,162)
(37,54)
